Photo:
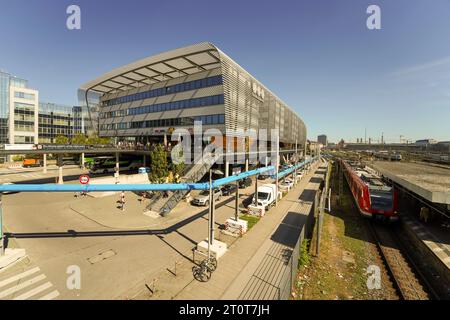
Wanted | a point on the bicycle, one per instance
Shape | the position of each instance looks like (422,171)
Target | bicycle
(203,271)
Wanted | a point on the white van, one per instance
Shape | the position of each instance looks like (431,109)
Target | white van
(266,195)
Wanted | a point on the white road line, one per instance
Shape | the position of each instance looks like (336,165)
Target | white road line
(25,284)
(50,296)
(33,292)
(19,276)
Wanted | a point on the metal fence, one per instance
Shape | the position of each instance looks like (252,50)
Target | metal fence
(316,214)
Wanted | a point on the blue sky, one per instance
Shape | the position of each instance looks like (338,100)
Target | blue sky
(316,55)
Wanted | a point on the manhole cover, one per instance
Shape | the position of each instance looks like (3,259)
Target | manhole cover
(101,256)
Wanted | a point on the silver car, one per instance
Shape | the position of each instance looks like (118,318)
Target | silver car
(203,198)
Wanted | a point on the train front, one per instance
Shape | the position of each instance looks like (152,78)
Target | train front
(384,202)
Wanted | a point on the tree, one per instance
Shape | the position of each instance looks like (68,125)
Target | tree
(61,140)
(79,139)
(159,168)
(104,140)
(92,140)
(95,140)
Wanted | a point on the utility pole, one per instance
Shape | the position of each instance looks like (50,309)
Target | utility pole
(210,223)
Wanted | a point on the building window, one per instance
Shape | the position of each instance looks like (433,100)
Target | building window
(171,122)
(186,86)
(23,95)
(173,105)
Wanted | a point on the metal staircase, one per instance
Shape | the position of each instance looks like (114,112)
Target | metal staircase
(192,173)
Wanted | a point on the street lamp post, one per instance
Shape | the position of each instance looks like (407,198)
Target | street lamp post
(210,215)
(212,208)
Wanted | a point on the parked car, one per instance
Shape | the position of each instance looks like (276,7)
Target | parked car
(244,183)
(228,189)
(262,176)
(288,182)
(203,198)
(144,170)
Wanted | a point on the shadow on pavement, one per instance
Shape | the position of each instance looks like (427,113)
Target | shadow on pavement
(74,233)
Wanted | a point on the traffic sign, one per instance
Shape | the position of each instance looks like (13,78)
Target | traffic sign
(84,179)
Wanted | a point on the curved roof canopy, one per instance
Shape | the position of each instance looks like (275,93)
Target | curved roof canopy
(161,67)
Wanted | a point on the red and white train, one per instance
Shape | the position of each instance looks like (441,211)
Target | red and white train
(373,196)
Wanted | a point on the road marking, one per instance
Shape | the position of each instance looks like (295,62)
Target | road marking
(18,287)
(19,276)
(33,292)
(52,295)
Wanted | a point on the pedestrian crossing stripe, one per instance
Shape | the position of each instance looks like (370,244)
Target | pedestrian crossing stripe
(26,285)
(18,277)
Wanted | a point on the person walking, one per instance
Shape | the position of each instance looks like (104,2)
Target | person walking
(122,200)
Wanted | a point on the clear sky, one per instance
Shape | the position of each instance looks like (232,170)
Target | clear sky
(316,55)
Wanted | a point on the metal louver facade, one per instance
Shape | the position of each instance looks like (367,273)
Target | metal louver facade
(247,103)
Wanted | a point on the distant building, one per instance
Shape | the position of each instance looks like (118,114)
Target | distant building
(444,143)
(425,142)
(322,139)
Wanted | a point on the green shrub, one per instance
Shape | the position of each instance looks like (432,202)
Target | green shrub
(17,158)
(303,258)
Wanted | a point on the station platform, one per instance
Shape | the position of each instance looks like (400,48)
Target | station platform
(428,181)
(433,241)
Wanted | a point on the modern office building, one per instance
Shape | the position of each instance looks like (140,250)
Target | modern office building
(147,99)
(59,119)
(322,139)
(18,111)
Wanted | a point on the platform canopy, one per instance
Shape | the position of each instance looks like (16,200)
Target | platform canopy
(161,67)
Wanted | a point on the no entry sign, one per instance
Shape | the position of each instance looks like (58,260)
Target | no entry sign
(84,179)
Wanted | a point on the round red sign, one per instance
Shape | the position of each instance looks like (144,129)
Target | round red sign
(84,179)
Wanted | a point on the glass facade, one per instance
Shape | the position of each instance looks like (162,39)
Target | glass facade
(89,111)
(7,81)
(173,105)
(183,121)
(185,86)
(58,119)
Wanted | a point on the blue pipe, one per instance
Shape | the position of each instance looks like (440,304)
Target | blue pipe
(222,181)
(142,187)
(124,187)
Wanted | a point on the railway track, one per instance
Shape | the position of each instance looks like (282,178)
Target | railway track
(406,277)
